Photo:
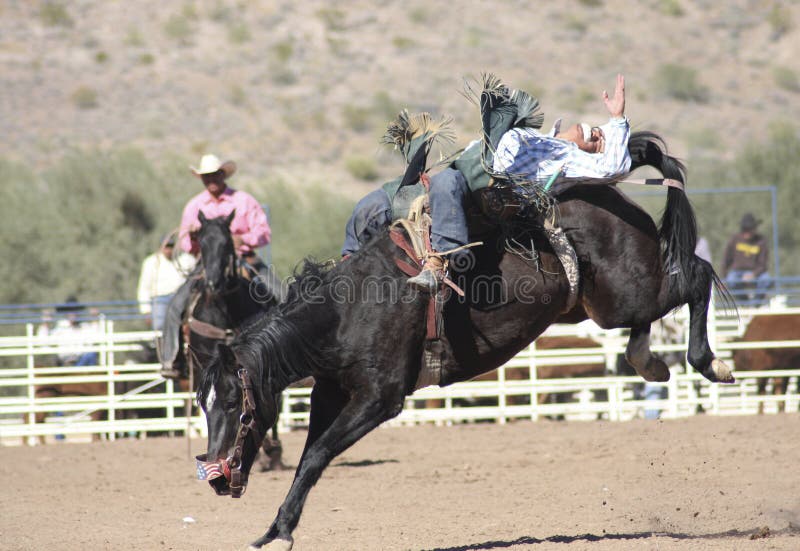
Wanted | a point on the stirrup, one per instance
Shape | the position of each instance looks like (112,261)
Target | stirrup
(427,281)
(170,373)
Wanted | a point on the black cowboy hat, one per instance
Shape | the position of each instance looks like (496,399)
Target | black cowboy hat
(749,222)
(168,240)
(70,305)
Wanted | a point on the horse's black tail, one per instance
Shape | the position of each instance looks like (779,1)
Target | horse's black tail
(678,229)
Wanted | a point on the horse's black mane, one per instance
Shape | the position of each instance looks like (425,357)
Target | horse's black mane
(307,279)
(275,351)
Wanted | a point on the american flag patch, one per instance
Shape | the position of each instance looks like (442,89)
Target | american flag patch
(207,470)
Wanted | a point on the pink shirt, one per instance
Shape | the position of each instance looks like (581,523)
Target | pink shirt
(249,222)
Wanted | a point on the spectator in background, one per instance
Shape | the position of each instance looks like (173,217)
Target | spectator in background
(745,259)
(163,272)
(72,335)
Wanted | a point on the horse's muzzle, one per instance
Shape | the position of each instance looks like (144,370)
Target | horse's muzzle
(218,475)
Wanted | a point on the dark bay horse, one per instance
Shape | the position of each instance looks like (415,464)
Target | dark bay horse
(360,331)
(220,302)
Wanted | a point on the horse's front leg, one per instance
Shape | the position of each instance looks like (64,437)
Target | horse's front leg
(330,433)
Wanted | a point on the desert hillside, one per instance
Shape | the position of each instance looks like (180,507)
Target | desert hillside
(303,89)
(106,102)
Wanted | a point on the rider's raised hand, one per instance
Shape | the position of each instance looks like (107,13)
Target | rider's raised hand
(616,104)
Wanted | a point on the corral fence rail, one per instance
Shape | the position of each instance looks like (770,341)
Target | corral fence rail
(136,401)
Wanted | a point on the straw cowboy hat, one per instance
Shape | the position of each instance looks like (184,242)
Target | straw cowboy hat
(209,164)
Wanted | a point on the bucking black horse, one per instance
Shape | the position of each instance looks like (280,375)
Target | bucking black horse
(217,301)
(360,330)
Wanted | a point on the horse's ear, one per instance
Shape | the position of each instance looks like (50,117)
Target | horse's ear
(229,219)
(202,217)
(228,357)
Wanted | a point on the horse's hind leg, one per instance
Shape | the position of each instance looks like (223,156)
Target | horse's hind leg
(272,452)
(639,356)
(699,354)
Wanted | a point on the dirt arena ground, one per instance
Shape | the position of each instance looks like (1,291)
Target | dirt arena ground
(707,483)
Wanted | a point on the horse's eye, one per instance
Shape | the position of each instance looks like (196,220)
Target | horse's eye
(230,406)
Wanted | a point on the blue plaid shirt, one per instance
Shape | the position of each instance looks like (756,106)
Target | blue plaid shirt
(526,154)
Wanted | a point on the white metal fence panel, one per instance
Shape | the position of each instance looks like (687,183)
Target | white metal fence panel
(135,400)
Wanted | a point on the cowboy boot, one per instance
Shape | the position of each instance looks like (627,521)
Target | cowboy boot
(431,275)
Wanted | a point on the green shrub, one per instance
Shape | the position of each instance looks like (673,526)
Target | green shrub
(332,18)
(282,51)
(473,37)
(338,46)
(54,14)
(178,28)
(189,11)
(418,15)
(146,59)
(101,57)
(238,33)
(307,223)
(357,118)
(134,38)
(703,139)
(672,8)
(363,168)
(681,83)
(220,12)
(237,95)
(282,74)
(402,42)
(786,78)
(384,106)
(84,97)
(591,3)
(780,21)
(576,24)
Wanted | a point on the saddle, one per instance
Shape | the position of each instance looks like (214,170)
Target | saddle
(412,236)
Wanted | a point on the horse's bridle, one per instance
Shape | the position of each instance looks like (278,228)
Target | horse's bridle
(232,465)
(247,424)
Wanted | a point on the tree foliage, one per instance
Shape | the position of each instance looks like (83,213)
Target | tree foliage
(84,226)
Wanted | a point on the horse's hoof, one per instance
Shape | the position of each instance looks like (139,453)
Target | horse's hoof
(722,371)
(656,371)
(276,545)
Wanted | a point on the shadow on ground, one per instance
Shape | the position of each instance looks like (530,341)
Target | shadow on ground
(756,533)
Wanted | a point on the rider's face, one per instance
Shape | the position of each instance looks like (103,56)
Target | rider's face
(595,143)
(214,182)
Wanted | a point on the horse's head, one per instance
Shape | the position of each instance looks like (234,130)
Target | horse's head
(239,413)
(217,251)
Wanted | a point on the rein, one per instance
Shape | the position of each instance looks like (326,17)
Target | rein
(210,331)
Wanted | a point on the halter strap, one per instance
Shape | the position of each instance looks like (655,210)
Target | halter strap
(247,424)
